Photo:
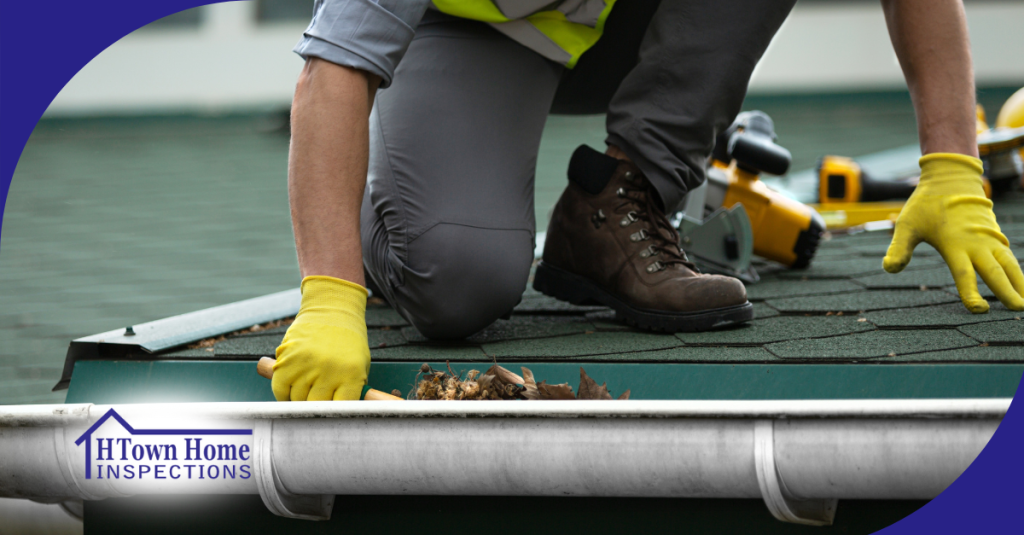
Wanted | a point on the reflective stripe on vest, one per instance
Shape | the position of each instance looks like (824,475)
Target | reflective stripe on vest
(560,31)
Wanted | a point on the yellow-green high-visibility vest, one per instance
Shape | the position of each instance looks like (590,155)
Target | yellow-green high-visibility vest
(558,30)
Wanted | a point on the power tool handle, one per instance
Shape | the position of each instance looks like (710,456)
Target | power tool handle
(265,367)
(874,190)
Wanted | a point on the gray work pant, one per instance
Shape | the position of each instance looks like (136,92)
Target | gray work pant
(448,217)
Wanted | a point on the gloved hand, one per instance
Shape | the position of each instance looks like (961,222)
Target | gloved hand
(324,354)
(949,211)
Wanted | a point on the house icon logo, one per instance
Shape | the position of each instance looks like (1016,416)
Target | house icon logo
(172,454)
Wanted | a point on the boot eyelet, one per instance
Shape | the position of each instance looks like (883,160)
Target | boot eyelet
(649,251)
(621,192)
(655,266)
(640,235)
(598,218)
(630,218)
(628,175)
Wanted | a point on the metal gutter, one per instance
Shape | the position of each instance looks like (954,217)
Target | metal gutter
(175,331)
(800,457)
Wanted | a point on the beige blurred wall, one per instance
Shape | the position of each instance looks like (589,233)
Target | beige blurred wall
(231,62)
(846,47)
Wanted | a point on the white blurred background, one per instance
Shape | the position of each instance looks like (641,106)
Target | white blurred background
(237,56)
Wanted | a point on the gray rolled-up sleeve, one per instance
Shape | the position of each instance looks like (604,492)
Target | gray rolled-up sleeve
(370,35)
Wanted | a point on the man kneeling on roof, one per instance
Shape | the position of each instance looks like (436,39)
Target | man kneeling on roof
(424,192)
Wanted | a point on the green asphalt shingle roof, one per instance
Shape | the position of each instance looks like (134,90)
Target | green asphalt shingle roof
(116,221)
(843,309)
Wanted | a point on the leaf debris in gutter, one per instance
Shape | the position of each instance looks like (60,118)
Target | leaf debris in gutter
(499,383)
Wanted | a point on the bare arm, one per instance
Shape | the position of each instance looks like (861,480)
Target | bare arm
(325,354)
(948,209)
(931,42)
(327,165)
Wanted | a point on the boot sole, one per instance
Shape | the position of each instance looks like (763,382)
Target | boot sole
(565,286)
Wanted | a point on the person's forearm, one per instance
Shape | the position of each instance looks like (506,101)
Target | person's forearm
(327,165)
(931,42)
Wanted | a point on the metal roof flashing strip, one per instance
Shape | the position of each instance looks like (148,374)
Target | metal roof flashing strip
(175,331)
(799,456)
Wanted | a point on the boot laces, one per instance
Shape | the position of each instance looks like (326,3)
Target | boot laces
(639,202)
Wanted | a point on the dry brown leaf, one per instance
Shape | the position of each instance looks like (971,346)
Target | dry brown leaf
(530,385)
(504,376)
(562,391)
(625,395)
(590,390)
(542,390)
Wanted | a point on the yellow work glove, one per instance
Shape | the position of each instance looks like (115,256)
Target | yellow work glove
(324,354)
(949,211)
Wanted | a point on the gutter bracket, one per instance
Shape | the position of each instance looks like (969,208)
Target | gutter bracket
(277,499)
(773,490)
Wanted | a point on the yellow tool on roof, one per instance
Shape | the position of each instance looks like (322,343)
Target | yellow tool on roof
(785,231)
(1012,114)
(849,196)
(851,214)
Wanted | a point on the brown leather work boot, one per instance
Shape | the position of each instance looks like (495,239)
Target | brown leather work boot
(610,243)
